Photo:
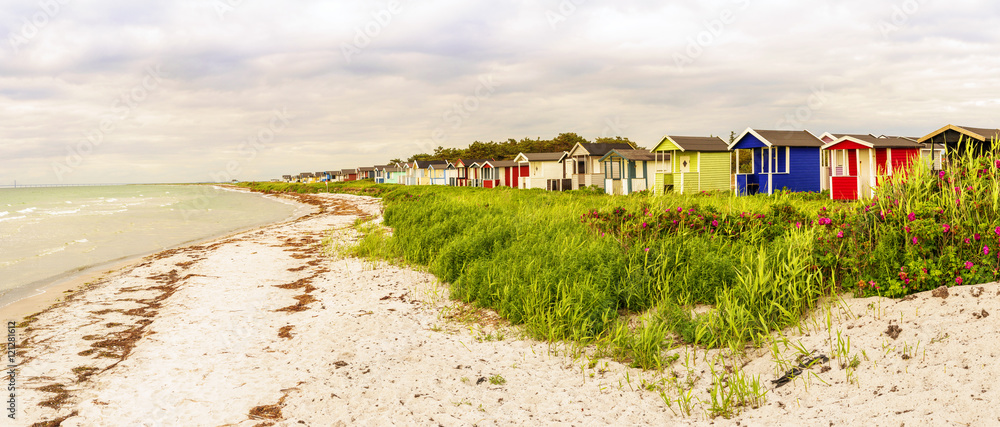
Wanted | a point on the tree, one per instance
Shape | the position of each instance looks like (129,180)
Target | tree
(615,140)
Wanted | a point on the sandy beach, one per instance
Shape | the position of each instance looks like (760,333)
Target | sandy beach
(265,328)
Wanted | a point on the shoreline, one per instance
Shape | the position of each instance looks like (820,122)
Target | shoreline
(269,328)
(34,297)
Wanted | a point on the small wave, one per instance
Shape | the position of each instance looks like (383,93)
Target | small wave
(69,202)
(52,251)
(4,213)
(11,218)
(28,210)
(63,212)
(110,212)
(81,241)
(110,200)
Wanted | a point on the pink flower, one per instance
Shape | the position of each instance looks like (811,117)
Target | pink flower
(907,228)
(798,224)
(679,209)
(911,216)
(715,223)
(644,225)
(647,249)
(914,240)
(967,241)
(946,227)
(986,250)
(958,280)
(998,164)
(977,236)
(968,265)
(941,174)
(997,230)
(840,234)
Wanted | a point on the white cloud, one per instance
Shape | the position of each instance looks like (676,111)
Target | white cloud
(558,69)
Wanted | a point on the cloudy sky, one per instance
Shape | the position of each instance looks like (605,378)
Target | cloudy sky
(121,91)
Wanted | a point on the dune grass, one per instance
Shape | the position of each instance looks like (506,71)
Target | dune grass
(627,275)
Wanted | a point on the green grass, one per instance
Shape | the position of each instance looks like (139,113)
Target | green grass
(624,274)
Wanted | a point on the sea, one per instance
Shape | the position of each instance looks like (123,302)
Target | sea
(52,233)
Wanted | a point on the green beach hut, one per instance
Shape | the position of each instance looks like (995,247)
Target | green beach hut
(690,164)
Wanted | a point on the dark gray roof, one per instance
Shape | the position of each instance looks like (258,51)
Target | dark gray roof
(470,162)
(883,142)
(349,171)
(984,132)
(544,157)
(602,149)
(635,155)
(504,163)
(790,138)
(423,164)
(700,143)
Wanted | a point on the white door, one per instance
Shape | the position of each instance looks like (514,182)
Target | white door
(685,162)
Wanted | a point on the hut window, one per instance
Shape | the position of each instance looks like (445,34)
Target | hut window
(779,157)
(616,170)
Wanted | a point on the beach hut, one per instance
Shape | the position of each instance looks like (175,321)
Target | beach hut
(627,171)
(780,159)
(691,164)
(500,173)
(395,174)
(543,170)
(321,176)
(365,172)
(858,163)
(958,139)
(583,163)
(333,176)
(286,178)
(349,174)
(418,172)
(380,174)
(467,172)
(438,172)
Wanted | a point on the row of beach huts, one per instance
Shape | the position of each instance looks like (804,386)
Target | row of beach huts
(850,166)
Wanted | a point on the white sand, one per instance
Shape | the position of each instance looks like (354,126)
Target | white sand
(377,347)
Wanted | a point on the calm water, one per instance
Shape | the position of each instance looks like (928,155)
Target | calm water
(47,233)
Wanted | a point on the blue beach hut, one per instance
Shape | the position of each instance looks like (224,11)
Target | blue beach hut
(779,159)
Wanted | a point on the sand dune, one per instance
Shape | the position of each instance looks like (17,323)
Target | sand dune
(263,328)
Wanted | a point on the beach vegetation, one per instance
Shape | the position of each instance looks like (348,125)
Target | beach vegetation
(635,277)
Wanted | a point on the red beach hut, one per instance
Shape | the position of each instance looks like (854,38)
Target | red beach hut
(858,163)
